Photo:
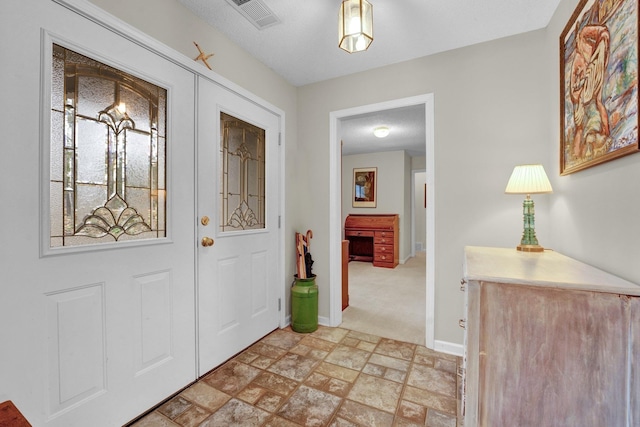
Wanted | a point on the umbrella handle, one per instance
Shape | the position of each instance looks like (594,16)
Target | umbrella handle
(309,237)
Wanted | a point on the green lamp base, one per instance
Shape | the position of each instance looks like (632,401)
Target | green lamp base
(529,242)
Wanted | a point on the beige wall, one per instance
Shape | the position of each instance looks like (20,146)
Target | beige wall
(490,115)
(594,212)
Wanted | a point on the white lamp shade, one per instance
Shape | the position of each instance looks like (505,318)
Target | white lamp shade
(355,32)
(528,179)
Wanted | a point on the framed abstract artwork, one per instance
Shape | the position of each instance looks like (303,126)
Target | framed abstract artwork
(598,84)
(365,187)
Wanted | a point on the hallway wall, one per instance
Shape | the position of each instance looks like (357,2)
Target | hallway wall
(486,121)
(593,212)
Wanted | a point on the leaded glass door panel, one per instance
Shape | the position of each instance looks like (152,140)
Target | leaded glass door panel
(238,190)
(93,335)
(108,145)
(242,161)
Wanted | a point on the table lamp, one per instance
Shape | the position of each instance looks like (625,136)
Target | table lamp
(529,179)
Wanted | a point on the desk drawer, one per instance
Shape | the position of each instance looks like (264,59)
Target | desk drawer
(384,233)
(383,260)
(383,257)
(360,233)
(383,250)
(383,240)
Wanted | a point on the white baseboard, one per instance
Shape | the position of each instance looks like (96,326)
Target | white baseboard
(441,346)
(449,347)
(324,321)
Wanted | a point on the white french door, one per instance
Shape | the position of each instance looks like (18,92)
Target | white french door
(90,337)
(238,204)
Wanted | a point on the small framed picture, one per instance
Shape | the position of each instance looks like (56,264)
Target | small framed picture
(365,187)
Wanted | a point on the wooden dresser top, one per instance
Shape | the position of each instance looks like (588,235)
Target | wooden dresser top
(545,269)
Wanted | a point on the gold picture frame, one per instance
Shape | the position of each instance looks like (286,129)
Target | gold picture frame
(365,187)
(598,84)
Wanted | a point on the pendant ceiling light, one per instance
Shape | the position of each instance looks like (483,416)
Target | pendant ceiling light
(356,25)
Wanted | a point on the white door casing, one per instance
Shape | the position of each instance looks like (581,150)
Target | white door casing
(238,276)
(90,336)
(335,216)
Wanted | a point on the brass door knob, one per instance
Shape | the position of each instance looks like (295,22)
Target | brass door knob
(207,241)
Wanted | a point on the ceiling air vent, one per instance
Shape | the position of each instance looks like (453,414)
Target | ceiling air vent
(256,12)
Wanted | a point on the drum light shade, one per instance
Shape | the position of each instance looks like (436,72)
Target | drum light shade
(528,179)
(355,32)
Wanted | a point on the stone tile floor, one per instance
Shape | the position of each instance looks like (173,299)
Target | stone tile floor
(331,377)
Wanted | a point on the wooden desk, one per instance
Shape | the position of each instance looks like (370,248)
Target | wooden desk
(373,238)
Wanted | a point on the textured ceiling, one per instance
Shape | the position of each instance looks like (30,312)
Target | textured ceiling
(406,131)
(303,47)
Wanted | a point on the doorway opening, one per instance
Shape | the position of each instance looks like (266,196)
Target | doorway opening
(335,206)
(418,211)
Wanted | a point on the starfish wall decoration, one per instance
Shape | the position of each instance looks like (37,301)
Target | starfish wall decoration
(202,56)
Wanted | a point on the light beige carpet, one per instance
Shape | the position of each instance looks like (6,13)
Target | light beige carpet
(388,302)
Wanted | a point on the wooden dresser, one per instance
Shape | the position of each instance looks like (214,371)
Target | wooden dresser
(549,341)
(373,238)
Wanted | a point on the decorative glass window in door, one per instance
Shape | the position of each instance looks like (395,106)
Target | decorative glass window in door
(242,149)
(108,139)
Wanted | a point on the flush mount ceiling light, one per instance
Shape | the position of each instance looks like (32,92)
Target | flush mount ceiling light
(381,131)
(355,31)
